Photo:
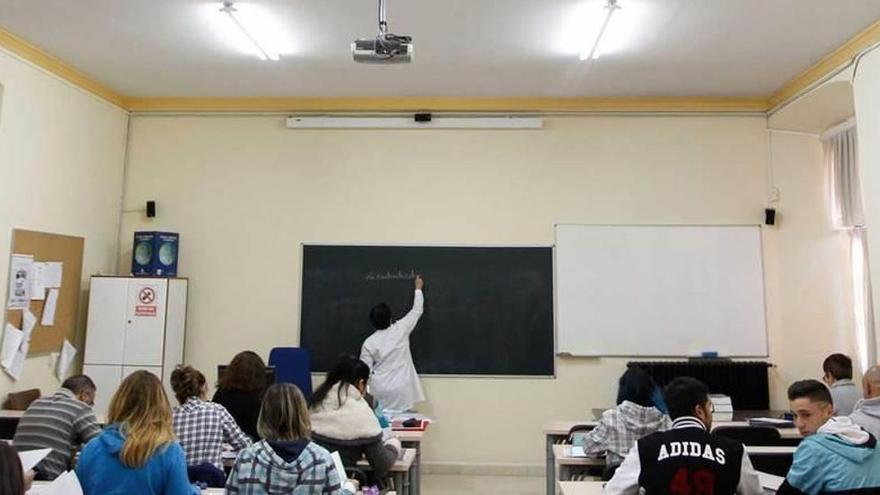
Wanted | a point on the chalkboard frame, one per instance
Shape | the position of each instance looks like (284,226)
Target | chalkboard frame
(552,247)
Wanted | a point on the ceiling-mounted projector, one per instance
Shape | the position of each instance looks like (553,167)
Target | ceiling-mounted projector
(385,48)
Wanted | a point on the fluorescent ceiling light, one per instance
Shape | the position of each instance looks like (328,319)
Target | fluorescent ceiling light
(262,52)
(249,28)
(583,31)
(591,51)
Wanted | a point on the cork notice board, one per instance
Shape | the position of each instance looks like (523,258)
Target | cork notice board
(52,247)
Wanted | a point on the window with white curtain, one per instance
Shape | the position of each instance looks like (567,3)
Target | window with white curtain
(845,190)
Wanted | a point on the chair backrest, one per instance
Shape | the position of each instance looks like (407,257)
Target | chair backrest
(19,401)
(751,435)
(208,474)
(293,365)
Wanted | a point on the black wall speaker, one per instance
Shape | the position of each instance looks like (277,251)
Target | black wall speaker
(770,216)
(151,209)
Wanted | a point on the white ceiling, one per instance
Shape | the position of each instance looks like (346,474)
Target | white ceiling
(462,47)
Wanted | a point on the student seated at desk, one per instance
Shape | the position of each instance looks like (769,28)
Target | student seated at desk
(240,390)
(836,455)
(343,420)
(285,461)
(202,427)
(838,376)
(686,458)
(13,480)
(62,422)
(867,411)
(136,454)
(634,417)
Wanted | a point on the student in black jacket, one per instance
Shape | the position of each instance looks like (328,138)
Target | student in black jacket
(686,459)
(240,390)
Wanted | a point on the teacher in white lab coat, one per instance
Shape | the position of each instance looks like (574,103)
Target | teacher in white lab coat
(395,382)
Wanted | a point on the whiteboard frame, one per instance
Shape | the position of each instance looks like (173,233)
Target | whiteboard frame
(444,245)
(561,354)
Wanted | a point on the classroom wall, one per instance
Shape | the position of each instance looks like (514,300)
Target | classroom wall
(61,161)
(245,192)
(866,90)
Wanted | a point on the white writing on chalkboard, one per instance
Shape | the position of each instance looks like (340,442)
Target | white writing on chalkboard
(398,275)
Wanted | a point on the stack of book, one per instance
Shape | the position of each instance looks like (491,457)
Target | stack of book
(723,407)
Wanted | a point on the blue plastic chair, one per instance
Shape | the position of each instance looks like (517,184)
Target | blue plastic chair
(293,365)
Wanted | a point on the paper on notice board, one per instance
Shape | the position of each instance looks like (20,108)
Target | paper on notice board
(49,308)
(28,322)
(17,366)
(68,351)
(53,274)
(20,267)
(12,338)
(38,281)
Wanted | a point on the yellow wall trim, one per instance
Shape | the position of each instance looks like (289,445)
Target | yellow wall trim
(446,104)
(839,57)
(52,64)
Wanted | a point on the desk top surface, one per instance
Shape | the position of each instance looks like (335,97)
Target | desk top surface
(562,427)
(581,487)
(562,454)
(401,465)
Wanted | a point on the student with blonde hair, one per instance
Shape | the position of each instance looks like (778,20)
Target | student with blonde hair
(286,460)
(136,454)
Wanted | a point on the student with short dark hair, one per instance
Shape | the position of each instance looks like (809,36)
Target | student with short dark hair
(13,480)
(836,455)
(240,390)
(634,417)
(286,460)
(395,382)
(62,422)
(343,421)
(686,458)
(838,373)
(202,427)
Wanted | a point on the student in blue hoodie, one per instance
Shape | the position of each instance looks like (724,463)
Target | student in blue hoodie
(136,454)
(836,455)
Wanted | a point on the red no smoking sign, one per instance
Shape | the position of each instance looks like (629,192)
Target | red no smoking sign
(146,305)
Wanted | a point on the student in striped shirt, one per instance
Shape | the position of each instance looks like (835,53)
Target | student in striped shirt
(62,422)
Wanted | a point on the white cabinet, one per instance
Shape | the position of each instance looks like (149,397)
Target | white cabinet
(133,324)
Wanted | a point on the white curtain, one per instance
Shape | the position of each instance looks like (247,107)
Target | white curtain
(845,190)
(841,160)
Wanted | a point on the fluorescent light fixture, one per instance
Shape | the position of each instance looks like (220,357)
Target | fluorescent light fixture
(249,28)
(408,122)
(264,54)
(589,29)
(591,51)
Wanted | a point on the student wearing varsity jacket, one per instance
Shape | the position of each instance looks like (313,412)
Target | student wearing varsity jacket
(686,458)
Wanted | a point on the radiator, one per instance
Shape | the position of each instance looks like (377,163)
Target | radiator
(745,382)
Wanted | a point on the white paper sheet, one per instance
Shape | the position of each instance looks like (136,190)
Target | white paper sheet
(38,281)
(12,338)
(28,322)
(53,274)
(340,470)
(31,458)
(65,484)
(68,351)
(49,308)
(16,368)
(20,267)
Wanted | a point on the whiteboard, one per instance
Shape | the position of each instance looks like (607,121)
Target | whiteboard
(660,290)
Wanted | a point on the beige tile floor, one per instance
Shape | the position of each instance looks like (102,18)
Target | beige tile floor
(446,484)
